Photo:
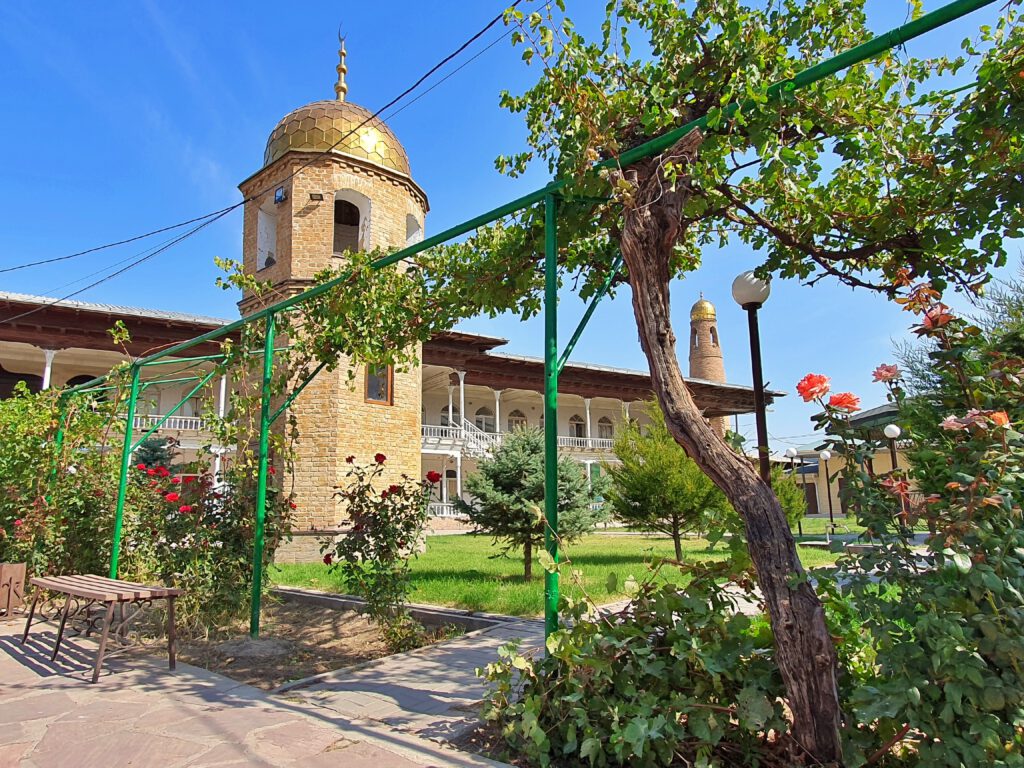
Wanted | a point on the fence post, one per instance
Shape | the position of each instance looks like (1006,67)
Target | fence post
(126,457)
(550,411)
(261,478)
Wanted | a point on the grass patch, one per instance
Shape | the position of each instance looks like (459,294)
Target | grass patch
(460,572)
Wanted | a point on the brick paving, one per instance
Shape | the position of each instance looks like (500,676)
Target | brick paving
(140,714)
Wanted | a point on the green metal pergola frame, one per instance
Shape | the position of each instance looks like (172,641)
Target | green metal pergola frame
(550,196)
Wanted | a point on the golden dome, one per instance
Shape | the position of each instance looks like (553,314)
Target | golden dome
(317,126)
(702,310)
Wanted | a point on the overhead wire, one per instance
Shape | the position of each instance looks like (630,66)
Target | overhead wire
(209,218)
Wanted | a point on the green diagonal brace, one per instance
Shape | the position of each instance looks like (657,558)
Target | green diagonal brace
(174,410)
(295,394)
(605,286)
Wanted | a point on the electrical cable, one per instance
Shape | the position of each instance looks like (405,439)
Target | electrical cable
(215,215)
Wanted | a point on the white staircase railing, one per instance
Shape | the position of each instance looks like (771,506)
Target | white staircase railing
(477,441)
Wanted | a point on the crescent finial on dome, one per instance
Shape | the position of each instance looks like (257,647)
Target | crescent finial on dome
(341,87)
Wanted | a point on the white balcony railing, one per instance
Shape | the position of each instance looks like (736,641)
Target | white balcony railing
(180,423)
(478,442)
(585,443)
(443,509)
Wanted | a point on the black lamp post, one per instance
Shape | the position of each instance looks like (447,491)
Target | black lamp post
(892,433)
(750,293)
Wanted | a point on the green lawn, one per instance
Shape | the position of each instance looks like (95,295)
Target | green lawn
(458,571)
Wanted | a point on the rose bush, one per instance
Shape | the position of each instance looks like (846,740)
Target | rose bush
(386,528)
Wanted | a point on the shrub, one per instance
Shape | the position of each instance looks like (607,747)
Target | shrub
(508,496)
(386,530)
(657,487)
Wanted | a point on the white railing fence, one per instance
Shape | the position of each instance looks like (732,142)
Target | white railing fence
(190,423)
(444,509)
(433,432)
(477,441)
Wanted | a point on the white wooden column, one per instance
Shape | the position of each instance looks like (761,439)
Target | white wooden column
(462,400)
(497,411)
(458,475)
(222,406)
(48,355)
(625,407)
(586,406)
(451,390)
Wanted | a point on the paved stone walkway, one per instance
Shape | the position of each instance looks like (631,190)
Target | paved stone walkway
(141,715)
(431,692)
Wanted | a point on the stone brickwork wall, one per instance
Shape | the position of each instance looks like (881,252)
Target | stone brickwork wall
(706,361)
(334,420)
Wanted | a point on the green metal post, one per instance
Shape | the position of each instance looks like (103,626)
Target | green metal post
(126,457)
(261,479)
(551,410)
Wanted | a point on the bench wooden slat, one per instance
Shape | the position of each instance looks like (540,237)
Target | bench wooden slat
(101,588)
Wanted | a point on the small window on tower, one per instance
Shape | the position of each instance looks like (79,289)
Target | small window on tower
(379,380)
(714,336)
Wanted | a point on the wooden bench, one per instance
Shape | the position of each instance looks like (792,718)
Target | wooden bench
(84,591)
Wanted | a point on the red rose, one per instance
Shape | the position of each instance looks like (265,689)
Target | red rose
(380,458)
(185,508)
(293,505)
(172,496)
(150,471)
(189,480)
(384,494)
(350,459)
(812,386)
(328,558)
(393,489)
(271,470)
(433,477)
(98,493)
(18,523)
(140,467)
(175,480)
(153,483)
(844,401)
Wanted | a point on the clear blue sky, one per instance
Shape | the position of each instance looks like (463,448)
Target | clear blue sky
(121,117)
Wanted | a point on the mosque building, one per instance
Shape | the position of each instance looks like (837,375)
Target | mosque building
(336,180)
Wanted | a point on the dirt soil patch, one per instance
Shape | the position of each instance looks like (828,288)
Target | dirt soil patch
(296,640)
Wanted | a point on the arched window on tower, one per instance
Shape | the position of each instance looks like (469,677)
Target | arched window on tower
(413,230)
(266,237)
(351,221)
(694,339)
(714,336)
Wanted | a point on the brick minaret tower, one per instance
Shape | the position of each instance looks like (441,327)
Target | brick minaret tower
(706,352)
(329,185)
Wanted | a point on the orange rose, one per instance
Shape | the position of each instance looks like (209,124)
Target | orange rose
(812,386)
(1000,418)
(844,401)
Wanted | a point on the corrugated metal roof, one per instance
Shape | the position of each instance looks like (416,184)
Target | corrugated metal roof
(113,309)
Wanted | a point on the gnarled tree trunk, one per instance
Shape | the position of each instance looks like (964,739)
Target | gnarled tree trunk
(804,650)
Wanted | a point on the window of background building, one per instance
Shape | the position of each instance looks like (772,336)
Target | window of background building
(485,419)
(605,428)
(379,380)
(516,420)
(577,426)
